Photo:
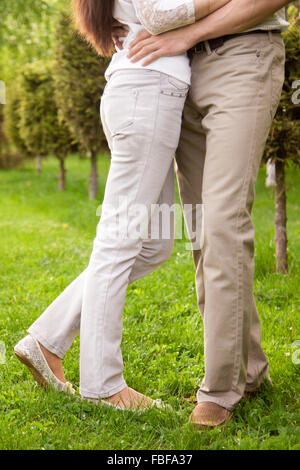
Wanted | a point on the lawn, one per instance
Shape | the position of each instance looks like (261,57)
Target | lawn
(45,242)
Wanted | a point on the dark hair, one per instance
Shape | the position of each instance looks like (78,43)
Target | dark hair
(94,20)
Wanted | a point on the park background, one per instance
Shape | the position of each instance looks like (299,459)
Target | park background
(53,168)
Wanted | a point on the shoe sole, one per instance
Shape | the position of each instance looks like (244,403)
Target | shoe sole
(119,408)
(35,373)
(207,427)
(105,403)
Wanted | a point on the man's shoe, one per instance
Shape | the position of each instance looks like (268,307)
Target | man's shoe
(209,414)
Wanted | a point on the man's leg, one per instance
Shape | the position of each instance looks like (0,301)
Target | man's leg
(235,92)
(190,158)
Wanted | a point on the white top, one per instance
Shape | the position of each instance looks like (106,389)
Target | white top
(157,16)
(276,21)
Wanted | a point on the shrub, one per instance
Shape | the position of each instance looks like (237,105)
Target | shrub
(41,129)
(79,83)
(8,159)
(12,121)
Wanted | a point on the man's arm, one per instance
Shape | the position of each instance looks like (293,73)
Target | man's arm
(234,17)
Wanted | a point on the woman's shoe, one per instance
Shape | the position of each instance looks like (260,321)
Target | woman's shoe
(138,403)
(28,351)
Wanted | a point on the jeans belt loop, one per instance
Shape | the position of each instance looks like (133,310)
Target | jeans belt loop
(270,34)
(208,47)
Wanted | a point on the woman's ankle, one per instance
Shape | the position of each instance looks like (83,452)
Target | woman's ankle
(54,362)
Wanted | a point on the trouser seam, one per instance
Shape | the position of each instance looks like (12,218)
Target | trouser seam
(239,302)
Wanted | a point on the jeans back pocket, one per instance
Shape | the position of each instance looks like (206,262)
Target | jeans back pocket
(173,87)
(118,110)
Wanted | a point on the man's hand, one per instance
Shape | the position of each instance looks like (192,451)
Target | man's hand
(168,44)
(118,32)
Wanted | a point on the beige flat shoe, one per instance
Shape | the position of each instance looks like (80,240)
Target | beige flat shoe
(139,403)
(209,414)
(28,351)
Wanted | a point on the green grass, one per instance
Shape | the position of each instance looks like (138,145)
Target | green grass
(45,242)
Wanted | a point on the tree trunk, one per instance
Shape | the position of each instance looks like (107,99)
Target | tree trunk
(38,165)
(280,219)
(93,176)
(62,174)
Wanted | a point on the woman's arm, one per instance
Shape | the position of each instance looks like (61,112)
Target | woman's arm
(159,16)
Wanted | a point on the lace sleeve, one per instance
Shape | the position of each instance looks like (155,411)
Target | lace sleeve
(158,16)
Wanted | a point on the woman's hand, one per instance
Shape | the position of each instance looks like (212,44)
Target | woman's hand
(168,44)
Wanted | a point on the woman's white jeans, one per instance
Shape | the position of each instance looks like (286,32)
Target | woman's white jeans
(141,112)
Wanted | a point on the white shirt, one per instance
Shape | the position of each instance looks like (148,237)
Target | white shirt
(156,16)
(276,21)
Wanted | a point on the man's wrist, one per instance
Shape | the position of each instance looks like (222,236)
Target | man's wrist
(196,34)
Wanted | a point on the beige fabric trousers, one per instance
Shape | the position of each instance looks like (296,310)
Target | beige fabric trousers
(234,95)
(233,98)
(141,113)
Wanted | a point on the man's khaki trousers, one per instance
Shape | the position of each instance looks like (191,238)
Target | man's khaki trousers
(233,98)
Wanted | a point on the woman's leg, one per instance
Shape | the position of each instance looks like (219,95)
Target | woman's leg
(143,146)
(56,328)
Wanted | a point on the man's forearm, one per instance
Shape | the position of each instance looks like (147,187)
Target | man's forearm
(236,16)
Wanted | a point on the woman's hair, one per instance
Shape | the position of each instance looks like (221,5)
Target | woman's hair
(94,20)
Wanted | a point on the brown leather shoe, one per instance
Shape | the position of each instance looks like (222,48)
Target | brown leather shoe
(209,414)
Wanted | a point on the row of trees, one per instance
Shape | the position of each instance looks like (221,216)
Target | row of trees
(53,108)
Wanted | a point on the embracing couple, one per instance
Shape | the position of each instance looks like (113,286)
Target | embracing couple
(201,80)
